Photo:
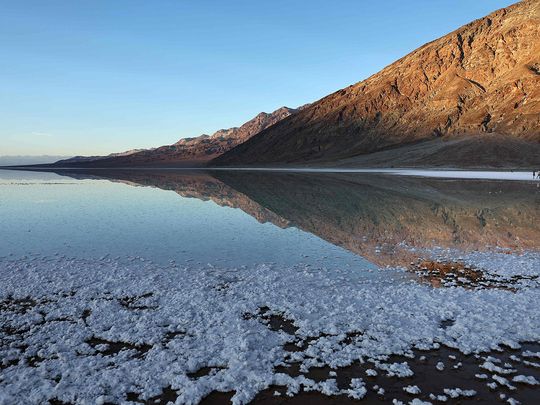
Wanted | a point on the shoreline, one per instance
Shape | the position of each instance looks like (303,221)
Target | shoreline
(446,173)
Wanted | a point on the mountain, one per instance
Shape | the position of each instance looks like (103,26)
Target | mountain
(206,147)
(188,151)
(80,159)
(482,79)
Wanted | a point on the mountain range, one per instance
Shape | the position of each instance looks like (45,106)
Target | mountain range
(192,152)
(14,160)
(468,99)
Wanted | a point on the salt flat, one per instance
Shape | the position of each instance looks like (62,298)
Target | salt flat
(97,331)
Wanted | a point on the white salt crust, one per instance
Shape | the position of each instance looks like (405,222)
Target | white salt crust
(190,318)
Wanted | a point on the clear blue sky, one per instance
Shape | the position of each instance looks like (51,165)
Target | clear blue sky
(93,77)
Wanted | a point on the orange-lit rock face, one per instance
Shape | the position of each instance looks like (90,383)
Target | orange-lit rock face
(481,78)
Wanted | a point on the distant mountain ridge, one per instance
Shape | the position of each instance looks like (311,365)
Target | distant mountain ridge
(483,78)
(196,151)
(79,159)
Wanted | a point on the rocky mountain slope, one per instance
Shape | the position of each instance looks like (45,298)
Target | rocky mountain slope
(483,78)
(188,151)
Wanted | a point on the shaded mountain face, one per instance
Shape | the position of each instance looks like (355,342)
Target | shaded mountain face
(377,217)
(483,78)
(82,159)
(186,152)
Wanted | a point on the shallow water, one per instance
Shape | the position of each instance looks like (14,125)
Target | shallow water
(236,218)
(47,213)
(518,175)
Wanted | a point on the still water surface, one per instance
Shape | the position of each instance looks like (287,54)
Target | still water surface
(242,218)
(188,221)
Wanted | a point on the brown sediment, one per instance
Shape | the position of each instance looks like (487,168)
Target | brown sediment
(460,371)
(274,321)
(449,267)
(457,274)
(166,396)
(17,305)
(437,273)
(204,371)
(133,302)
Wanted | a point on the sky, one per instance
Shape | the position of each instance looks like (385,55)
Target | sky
(95,77)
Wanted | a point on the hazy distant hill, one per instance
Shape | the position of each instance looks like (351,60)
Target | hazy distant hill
(483,78)
(28,160)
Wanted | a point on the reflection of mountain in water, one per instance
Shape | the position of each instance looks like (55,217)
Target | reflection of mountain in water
(378,217)
(364,213)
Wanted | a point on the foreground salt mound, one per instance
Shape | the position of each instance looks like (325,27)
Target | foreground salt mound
(92,331)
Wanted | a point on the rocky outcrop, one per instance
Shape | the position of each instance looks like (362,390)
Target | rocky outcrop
(483,78)
(206,147)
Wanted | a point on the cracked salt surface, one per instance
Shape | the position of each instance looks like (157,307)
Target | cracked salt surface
(96,331)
